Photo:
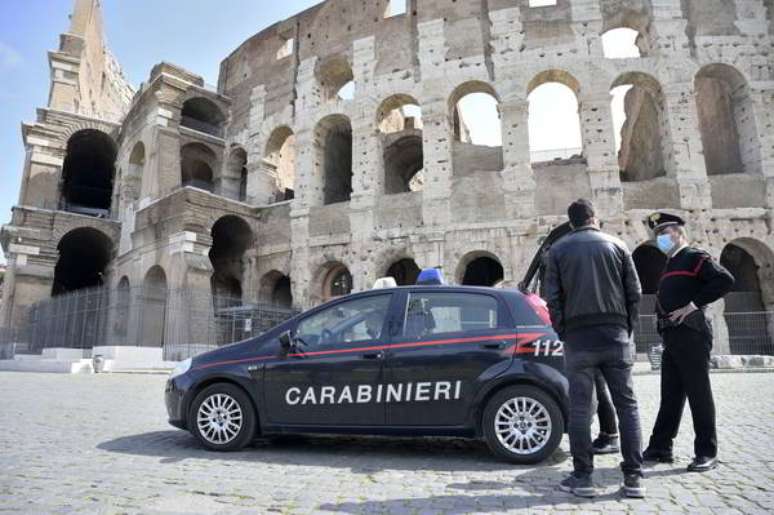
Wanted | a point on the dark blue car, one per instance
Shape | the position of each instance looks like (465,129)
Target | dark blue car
(412,361)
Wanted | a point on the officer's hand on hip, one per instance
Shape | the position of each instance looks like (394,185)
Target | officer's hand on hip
(679,314)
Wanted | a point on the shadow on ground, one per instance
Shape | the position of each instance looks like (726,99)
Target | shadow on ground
(361,454)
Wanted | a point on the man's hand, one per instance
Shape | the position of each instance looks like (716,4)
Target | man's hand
(679,315)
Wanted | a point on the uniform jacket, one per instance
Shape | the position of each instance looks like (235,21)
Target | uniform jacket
(591,280)
(692,275)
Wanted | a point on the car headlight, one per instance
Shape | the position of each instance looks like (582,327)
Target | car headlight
(181,368)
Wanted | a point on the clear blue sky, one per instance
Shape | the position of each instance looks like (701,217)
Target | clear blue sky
(196,34)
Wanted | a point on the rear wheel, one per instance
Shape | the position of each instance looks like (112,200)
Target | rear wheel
(222,417)
(522,424)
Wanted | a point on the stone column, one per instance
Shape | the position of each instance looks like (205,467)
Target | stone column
(587,25)
(667,32)
(685,158)
(518,177)
(309,181)
(763,113)
(437,149)
(598,138)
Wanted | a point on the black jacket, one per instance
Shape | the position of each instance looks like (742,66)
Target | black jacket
(692,275)
(591,280)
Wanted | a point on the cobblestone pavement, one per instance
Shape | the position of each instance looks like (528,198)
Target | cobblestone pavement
(101,444)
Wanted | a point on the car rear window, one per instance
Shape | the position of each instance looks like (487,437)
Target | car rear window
(432,313)
(523,313)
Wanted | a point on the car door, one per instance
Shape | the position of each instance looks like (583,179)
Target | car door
(329,376)
(449,339)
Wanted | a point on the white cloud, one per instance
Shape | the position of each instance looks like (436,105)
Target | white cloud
(9,57)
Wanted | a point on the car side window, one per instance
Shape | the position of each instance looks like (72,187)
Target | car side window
(354,321)
(429,314)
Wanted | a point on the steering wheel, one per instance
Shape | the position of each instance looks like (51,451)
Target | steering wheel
(326,335)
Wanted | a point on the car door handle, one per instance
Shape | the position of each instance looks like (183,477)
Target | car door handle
(374,355)
(494,345)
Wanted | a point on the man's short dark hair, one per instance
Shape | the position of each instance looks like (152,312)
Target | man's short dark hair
(580,212)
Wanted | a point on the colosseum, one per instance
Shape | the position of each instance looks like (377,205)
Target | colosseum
(332,152)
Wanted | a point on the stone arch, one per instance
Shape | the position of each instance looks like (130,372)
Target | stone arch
(231,238)
(275,288)
(480,268)
(84,255)
(233,184)
(547,90)
(643,153)
(333,74)
(203,115)
(489,101)
(333,142)
(88,172)
(279,161)
(726,121)
(334,279)
(749,305)
(154,307)
(399,119)
(405,271)
(197,165)
(397,113)
(132,180)
(635,16)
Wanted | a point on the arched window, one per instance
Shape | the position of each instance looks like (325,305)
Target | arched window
(621,43)
(280,162)
(337,281)
(234,183)
(483,270)
(154,306)
(276,289)
(231,237)
(638,106)
(88,172)
(554,124)
(197,163)
(133,178)
(84,255)
(476,115)
(334,75)
(728,131)
(405,272)
(399,119)
(333,140)
(201,114)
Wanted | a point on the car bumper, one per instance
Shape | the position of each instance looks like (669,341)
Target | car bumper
(173,398)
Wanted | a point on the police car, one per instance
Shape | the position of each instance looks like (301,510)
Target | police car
(410,361)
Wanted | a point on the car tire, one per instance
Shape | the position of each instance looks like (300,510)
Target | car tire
(526,440)
(222,417)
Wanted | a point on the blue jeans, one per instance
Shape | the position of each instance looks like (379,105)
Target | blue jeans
(607,350)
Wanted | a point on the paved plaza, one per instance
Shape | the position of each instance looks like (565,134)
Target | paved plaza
(101,444)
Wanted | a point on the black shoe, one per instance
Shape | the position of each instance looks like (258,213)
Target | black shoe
(632,486)
(578,486)
(605,444)
(702,464)
(659,456)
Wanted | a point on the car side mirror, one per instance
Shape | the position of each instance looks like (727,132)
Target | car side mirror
(286,340)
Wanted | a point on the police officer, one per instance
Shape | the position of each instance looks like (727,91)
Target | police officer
(691,281)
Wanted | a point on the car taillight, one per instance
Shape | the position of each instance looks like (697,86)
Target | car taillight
(540,307)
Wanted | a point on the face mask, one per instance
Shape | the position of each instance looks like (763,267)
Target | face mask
(665,243)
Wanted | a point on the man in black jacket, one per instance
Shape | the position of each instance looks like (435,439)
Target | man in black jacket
(593,293)
(691,281)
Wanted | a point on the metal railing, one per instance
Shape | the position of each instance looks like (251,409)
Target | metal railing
(183,322)
(751,332)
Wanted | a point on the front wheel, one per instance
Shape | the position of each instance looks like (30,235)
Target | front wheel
(222,417)
(522,424)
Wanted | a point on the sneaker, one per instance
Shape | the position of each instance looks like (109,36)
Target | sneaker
(606,444)
(659,456)
(632,486)
(703,464)
(578,486)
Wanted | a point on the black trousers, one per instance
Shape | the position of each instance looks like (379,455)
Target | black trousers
(685,374)
(605,407)
(607,350)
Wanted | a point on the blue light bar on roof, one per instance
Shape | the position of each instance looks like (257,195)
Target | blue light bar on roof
(430,276)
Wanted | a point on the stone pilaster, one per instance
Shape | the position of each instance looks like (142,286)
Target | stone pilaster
(518,177)
(668,29)
(596,121)
(685,159)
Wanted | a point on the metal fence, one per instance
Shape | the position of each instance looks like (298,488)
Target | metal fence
(750,333)
(183,322)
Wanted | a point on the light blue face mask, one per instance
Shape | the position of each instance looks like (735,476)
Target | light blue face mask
(665,243)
